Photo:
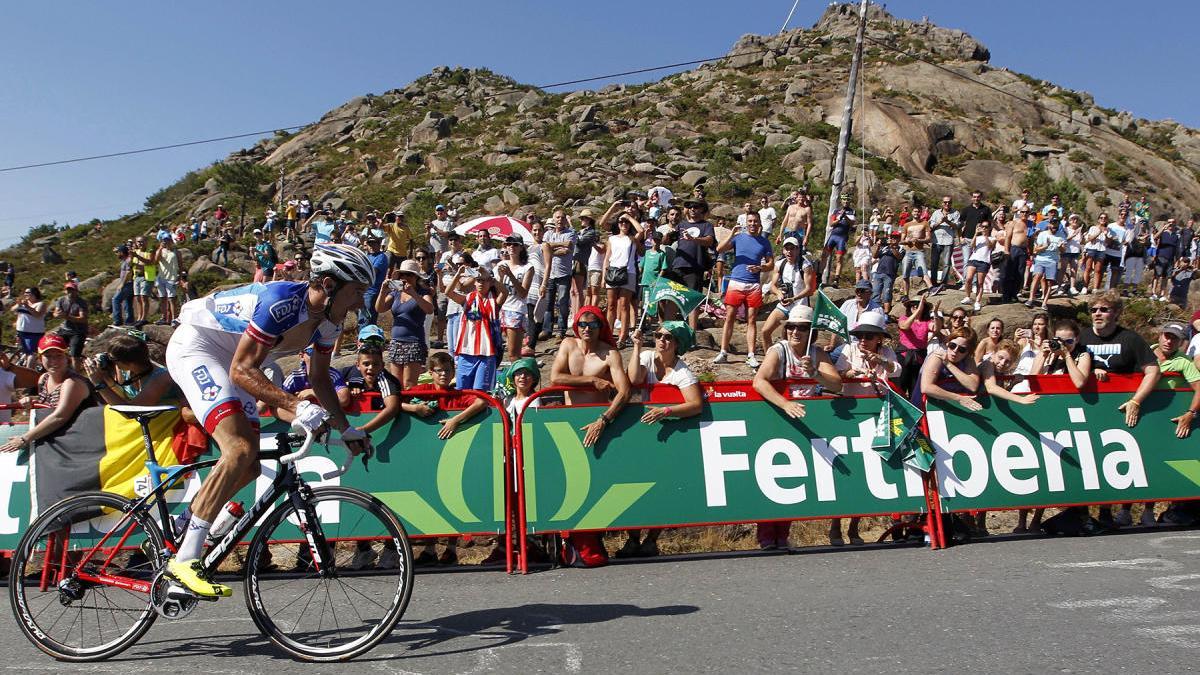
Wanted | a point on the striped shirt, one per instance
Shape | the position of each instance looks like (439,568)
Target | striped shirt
(477,332)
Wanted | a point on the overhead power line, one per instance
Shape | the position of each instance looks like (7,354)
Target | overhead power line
(552,85)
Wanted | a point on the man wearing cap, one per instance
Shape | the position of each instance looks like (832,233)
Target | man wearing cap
(841,224)
(1172,359)
(694,237)
(863,301)
(887,264)
(265,258)
(437,229)
(589,258)
(752,255)
(122,300)
(73,310)
(379,262)
(558,254)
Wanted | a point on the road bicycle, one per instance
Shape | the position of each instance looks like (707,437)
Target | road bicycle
(87,578)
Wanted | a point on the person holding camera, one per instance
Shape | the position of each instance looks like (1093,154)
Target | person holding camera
(126,375)
(31,320)
(410,301)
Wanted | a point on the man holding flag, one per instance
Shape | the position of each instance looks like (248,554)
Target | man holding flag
(663,289)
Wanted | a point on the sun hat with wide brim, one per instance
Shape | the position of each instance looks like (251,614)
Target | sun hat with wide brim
(800,314)
(870,322)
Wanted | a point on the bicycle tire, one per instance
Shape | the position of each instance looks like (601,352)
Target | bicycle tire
(25,574)
(263,578)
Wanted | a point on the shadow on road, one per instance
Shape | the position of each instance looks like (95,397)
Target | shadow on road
(509,625)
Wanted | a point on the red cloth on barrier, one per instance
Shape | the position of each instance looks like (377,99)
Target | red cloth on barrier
(584,549)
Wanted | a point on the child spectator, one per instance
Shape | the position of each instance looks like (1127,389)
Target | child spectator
(297,382)
(368,375)
(478,341)
(861,256)
(441,368)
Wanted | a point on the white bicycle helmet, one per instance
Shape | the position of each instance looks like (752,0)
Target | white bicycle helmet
(342,261)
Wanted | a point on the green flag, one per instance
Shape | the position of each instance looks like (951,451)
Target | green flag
(897,422)
(828,317)
(917,451)
(665,289)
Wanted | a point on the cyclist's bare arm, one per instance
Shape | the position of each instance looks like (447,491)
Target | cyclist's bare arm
(246,372)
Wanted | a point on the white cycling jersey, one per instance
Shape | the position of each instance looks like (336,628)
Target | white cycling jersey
(202,347)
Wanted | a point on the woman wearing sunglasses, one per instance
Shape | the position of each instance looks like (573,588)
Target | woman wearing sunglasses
(793,357)
(662,365)
(950,374)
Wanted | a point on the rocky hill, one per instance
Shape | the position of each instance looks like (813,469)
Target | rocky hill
(761,120)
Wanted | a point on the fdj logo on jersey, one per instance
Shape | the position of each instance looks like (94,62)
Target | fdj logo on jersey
(204,380)
(288,307)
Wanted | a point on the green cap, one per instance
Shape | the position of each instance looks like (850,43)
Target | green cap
(684,336)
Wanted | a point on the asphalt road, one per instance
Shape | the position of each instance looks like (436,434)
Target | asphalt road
(1120,603)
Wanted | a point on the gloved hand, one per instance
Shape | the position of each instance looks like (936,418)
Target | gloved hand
(354,434)
(310,416)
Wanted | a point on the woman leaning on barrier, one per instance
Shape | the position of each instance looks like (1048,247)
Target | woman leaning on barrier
(662,365)
(60,388)
(865,358)
(796,356)
(949,373)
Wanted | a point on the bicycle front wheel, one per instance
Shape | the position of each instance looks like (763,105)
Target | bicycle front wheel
(347,600)
(76,577)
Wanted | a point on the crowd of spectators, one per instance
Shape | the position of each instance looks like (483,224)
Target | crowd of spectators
(469,312)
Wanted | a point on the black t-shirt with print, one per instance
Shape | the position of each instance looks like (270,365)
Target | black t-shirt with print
(1122,352)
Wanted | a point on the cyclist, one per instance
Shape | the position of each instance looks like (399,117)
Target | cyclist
(216,355)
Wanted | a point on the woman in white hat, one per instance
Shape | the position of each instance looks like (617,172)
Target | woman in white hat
(865,358)
(791,358)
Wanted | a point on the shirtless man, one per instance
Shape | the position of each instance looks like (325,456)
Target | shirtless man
(916,236)
(1016,240)
(797,221)
(590,359)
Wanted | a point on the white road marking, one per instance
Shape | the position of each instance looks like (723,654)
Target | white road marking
(1171,540)
(1134,563)
(1135,609)
(1175,635)
(1172,582)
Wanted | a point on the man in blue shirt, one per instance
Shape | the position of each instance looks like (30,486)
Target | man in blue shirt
(297,381)
(752,255)
(379,262)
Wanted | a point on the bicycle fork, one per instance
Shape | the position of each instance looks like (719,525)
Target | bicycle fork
(310,527)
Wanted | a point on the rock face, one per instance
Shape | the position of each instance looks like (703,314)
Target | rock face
(481,142)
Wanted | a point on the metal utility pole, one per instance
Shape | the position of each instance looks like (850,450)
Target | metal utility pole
(280,200)
(839,166)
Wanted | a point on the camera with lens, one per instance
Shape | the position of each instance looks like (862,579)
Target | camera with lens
(1055,344)
(103,361)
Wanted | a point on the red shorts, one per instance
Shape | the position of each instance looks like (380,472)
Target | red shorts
(741,293)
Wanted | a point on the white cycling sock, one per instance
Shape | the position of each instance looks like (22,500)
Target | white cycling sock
(193,540)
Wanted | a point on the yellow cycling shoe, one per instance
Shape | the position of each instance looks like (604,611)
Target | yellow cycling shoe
(190,574)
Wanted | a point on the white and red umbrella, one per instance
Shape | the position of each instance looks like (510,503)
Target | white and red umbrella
(497,226)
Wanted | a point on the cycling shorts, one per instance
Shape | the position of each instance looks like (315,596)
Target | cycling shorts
(199,361)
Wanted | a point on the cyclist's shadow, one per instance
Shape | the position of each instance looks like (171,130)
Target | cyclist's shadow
(509,625)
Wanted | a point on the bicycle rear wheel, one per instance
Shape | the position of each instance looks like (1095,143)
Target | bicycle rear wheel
(344,604)
(77,619)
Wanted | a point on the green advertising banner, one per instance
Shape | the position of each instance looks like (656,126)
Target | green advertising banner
(436,487)
(1063,449)
(737,461)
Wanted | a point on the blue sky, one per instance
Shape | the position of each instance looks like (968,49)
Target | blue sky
(84,78)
